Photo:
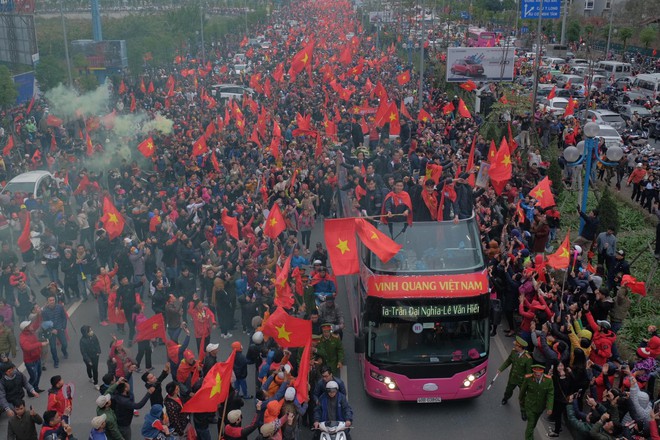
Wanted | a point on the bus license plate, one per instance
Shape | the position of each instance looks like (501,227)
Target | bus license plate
(429,399)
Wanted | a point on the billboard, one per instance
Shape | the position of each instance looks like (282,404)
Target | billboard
(25,86)
(18,39)
(106,54)
(530,9)
(479,64)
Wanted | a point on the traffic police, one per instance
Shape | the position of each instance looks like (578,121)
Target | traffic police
(536,393)
(330,349)
(521,364)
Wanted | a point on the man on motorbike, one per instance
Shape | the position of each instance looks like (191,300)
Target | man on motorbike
(333,407)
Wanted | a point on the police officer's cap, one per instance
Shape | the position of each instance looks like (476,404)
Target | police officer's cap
(520,341)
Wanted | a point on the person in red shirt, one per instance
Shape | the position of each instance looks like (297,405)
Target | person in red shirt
(57,401)
(203,321)
(101,289)
(32,347)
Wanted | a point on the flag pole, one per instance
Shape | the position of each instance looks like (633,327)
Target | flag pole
(222,422)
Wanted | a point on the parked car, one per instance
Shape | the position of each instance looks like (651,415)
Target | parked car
(610,135)
(575,80)
(233,91)
(556,106)
(603,117)
(32,182)
(627,111)
(467,68)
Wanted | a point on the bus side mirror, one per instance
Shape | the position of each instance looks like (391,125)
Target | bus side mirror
(360,343)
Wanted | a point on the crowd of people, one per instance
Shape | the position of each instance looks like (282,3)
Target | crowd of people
(178,256)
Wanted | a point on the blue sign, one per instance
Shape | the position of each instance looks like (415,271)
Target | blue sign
(25,85)
(530,9)
(524,30)
(465,15)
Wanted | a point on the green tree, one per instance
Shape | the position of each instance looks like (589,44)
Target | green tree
(8,92)
(50,72)
(647,36)
(624,36)
(554,174)
(608,212)
(573,31)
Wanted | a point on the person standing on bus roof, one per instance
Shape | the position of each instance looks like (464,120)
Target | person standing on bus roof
(536,393)
(521,364)
(397,207)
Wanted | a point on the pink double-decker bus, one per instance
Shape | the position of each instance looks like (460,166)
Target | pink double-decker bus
(479,37)
(421,320)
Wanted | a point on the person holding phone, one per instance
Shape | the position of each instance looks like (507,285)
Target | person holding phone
(23,425)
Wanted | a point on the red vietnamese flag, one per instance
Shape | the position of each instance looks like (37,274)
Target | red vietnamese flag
(543,194)
(133,105)
(561,258)
(210,129)
(122,87)
(230,224)
(403,78)
(638,287)
(240,123)
(8,146)
(512,142)
(200,147)
(552,92)
(379,243)
(152,328)
(151,88)
(404,111)
(244,41)
(655,52)
(54,121)
(113,221)
(90,145)
(274,223)
(424,116)
(283,294)
(469,85)
(214,162)
(567,86)
(318,150)
(254,137)
(278,73)
(380,91)
(340,239)
(570,108)
(393,119)
(286,330)
(30,105)
(24,242)
(448,108)
(214,389)
(346,56)
(274,147)
(470,162)
(501,169)
(433,172)
(143,88)
(301,384)
(462,109)
(492,152)
(299,283)
(146,147)
(301,60)
(381,113)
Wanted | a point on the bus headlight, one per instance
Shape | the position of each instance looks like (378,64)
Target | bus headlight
(470,378)
(386,380)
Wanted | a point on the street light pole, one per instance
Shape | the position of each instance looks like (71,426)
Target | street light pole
(422,41)
(564,18)
(201,22)
(609,32)
(537,60)
(66,44)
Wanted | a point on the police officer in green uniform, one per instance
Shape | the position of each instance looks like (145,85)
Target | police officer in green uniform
(536,393)
(331,349)
(521,364)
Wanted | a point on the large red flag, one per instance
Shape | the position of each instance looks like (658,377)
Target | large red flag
(379,243)
(470,163)
(283,293)
(230,224)
(113,221)
(404,111)
(200,147)
(275,224)
(638,287)
(570,108)
(501,168)
(512,142)
(24,242)
(433,172)
(492,152)
(214,389)
(8,146)
(424,116)
(469,85)
(146,147)
(562,257)
(543,194)
(393,118)
(342,245)
(403,77)
(152,328)
(462,109)
(301,384)
(286,330)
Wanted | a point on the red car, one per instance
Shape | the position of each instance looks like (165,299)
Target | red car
(467,68)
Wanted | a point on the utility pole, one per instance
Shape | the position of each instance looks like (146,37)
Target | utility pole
(609,32)
(537,60)
(564,19)
(66,44)
(201,22)
(422,40)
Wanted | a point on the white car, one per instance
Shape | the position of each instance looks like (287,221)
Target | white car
(32,182)
(556,106)
(230,91)
(610,135)
(603,117)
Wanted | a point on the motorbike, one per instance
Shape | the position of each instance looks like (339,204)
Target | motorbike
(333,430)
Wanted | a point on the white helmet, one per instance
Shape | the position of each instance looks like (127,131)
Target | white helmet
(258,337)
(578,249)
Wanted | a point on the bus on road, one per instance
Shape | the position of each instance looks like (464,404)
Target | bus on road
(479,37)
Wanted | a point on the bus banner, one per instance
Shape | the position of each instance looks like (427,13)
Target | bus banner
(429,286)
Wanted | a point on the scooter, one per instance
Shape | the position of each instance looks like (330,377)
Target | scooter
(333,430)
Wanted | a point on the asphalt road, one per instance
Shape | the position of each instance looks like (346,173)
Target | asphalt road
(483,416)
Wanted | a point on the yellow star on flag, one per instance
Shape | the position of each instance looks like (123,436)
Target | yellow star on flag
(273,221)
(304,59)
(325,124)
(564,252)
(150,145)
(392,117)
(217,388)
(374,236)
(425,119)
(539,193)
(507,160)
(343,246)
(492,154)
(282,333)
(154,326)
(112,218)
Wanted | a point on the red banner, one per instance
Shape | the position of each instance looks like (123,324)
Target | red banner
(430,286)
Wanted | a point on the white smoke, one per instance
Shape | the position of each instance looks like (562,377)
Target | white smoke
(66,103)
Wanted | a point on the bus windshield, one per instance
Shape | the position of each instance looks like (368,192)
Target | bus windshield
(428,247)
(432,341)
